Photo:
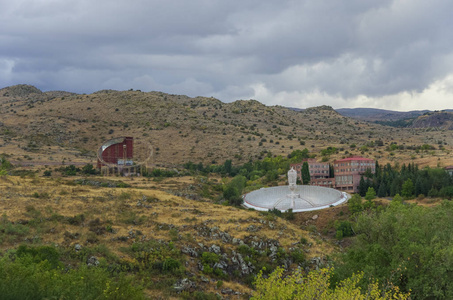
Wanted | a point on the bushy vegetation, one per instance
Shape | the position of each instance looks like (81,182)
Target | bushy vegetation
(72,170)
(161,173)
(288,215)
(5,165)
(251,175)
(157,257)
(269,166)
(316,285)
(408,246)
(409,181)
(10,232)
(233,190)
(37,273)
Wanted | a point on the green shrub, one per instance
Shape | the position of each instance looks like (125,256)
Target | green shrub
(209,258)
(71,170)
(298,256)
(24,278)
(155,256)
(11,232)
(76,220)
(39,254)
(344,229)
(289,215)
(170,265)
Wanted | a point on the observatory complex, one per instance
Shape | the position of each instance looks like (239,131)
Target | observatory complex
(298,198)
(345,174)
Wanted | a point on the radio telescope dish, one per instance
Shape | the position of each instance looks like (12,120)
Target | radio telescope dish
(299,198)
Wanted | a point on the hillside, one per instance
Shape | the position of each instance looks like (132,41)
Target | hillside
(52,126)
(374,114)
(440,120)
(443,120)
(85,220)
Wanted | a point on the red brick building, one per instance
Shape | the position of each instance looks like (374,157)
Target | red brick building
(319,172)
(325,182)
(349,170)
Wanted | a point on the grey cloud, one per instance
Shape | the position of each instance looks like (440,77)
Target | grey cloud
(340,49)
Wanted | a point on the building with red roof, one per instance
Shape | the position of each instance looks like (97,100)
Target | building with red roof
(348,172)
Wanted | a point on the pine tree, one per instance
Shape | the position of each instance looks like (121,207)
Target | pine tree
(305,172)
(370,194)
(362,187)
(331,171)
(382,191)
(355,204)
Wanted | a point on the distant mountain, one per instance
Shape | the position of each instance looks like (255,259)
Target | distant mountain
(412,119)
(374,114)
(442,120)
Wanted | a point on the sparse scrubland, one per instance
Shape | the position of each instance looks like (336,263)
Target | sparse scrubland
(178,230)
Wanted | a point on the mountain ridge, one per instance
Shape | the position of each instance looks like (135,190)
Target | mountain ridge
(182,128)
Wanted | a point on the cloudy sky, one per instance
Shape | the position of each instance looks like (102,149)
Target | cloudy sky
(344,53)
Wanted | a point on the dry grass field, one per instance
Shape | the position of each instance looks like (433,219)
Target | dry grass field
(22,197)
(58,212)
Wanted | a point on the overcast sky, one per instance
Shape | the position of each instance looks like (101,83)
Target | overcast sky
(344,53)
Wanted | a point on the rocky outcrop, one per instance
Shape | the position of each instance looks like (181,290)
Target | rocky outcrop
(20,90)
(184,285)
(441,120)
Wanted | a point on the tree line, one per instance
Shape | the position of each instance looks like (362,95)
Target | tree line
(409,181)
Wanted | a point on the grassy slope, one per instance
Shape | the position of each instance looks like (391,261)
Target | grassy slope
(37,201)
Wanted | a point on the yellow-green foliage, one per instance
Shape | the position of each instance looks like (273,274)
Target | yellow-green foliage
(316,285)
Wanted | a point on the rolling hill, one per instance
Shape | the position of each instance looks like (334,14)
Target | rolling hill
(52,126)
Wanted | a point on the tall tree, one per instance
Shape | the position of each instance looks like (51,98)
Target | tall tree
(370,194)
(382,190)
(407,190)
(305,172)
(362,187)
(227,166)
(355,204)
